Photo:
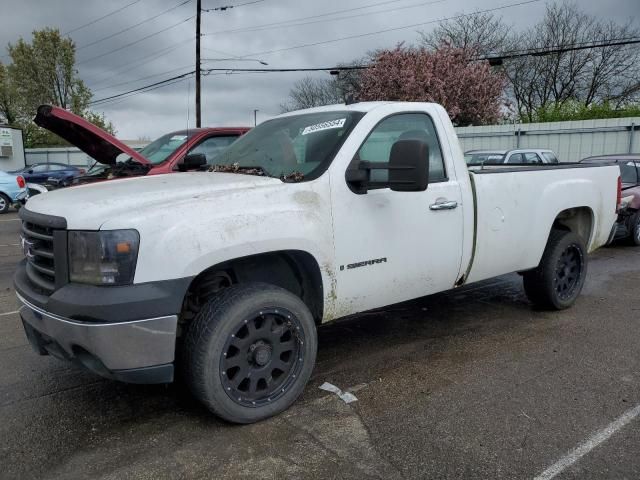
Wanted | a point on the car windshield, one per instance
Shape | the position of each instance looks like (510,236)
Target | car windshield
(298,145)
(159,150)
(484,157)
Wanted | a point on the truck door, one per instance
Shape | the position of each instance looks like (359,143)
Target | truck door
(394,246)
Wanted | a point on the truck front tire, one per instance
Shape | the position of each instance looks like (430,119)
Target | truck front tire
(250,351)
(557,281)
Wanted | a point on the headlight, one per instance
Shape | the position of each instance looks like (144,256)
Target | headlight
(103,258)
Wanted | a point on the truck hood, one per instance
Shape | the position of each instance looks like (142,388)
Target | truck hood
(88,207)
(80,133)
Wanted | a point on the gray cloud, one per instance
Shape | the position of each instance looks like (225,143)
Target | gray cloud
(230,99)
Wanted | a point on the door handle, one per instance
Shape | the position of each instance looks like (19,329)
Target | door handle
(443,205)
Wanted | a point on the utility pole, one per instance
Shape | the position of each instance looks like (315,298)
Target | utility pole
(198,111)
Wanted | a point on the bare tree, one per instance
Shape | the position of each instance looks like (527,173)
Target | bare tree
(312,92)
(483,33)
(585,76)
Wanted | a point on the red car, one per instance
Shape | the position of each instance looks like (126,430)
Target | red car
(174,152)
(628,223)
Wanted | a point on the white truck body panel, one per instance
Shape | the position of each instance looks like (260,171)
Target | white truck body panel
(512,228)
(193,221)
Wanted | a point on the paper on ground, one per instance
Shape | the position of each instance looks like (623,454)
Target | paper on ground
(345,396)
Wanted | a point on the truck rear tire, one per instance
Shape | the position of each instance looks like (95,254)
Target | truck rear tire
(249,352)
(557,281)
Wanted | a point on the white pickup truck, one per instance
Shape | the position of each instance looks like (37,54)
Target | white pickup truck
(311,216)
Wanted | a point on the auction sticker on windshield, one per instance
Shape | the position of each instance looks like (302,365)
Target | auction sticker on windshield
(339,123)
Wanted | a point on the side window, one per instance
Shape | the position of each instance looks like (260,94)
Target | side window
(550,157)
(532,158)
(55,168)
(40,168)
(516,158)
(407,126)
(213,146)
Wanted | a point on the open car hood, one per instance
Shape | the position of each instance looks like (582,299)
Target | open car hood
(92,140)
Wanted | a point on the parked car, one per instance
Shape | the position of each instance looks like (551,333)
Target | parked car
(43,172)
(628,224)
(12,191)
(532,156)
(321,213)
(188,149)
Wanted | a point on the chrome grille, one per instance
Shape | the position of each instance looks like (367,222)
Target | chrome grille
(37,245)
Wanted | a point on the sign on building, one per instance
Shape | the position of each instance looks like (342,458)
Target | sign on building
(6,142)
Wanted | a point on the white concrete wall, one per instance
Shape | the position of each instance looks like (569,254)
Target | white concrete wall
(572,141)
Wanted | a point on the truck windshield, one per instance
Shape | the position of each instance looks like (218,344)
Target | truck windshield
(159,150)
(300,145)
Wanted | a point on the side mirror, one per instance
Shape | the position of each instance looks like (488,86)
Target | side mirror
(409,166)
(192,161)
(408,169)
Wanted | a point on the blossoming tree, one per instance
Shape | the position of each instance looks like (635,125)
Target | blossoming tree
(469,89)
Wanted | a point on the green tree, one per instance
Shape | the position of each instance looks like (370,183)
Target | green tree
(8,97)
(43,71)
(575,110)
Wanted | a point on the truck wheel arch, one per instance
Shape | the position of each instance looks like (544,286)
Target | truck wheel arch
(578,220)
(294,270)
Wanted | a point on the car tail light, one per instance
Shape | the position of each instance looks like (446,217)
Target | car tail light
(619,194)
(21,182)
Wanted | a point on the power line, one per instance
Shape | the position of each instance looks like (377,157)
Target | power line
(129,82)
(132,26)
(538,52)
(101,18)
(135,42)
(227,7)
(280,70)
(394,29)
(289,23)
(122,99)
(139,89)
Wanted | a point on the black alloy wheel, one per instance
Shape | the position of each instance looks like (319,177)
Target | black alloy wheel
(568,271)
(249,351)
(262,357)
(559,277)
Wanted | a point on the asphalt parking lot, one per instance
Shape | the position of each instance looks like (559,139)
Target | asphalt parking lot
(467,384)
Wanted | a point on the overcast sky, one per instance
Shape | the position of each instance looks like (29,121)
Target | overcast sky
(231,99)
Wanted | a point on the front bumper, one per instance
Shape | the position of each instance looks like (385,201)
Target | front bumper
(137,351)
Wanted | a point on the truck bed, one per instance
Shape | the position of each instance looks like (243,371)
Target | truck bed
(515,207)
